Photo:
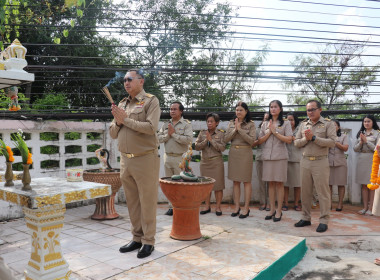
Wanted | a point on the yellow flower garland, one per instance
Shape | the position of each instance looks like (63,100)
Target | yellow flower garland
(375,179)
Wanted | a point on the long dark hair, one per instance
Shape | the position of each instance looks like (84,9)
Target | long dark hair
(374,124)
(280,116)
(296,119)
(338,132)
(247,117)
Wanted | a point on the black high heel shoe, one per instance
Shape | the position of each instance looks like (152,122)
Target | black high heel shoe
(269,217)
(235,214)
(277,219)
(244,216)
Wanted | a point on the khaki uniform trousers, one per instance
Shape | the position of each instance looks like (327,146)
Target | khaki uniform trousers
(262,184)
(139,176)
(317,173)
(171,164)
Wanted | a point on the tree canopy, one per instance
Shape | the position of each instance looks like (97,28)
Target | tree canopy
(328,75)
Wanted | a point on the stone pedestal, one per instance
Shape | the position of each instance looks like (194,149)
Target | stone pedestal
(44,209)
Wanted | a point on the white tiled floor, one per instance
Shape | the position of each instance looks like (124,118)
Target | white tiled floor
(232,248)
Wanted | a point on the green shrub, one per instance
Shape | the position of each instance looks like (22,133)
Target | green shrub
(73,135)
(73,149)
(93,147)
(49,136)
(73,162)
(92,161)
(49,150)
(47,164)
(94,135)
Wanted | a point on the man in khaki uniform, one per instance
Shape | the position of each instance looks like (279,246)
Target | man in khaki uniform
(316,135)
(177,134)
(135,125)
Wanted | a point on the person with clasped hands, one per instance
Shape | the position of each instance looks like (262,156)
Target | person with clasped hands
(367,137)
(134,126)
(316,135)
(275,133)
(338,164)
(211,144)
(241,132)
(176,134)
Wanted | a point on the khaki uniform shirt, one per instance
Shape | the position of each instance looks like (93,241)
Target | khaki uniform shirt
(180,140)
(325,133)
(274,148)
(369,147)
(259,148)
(138,133)
(211,149)
(336,155)
(242,137)
(295,153)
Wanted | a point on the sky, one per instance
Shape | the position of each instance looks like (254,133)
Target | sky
(330,18)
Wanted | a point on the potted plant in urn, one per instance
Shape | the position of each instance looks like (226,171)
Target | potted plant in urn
(8,154)
(18,140)
(186,192)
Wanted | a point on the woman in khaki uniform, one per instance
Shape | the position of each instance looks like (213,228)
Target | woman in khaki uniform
(263,193)
(275,133)
(242,133)
(211,144)
(338,165)
(367,138)
(294,172)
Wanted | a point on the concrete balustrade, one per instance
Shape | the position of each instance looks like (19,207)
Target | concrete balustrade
(8,211)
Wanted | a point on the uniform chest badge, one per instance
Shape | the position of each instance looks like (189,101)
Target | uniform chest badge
(140,104)
(321,126)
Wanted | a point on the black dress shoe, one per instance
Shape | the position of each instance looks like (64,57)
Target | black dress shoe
(169,212)
(205,211)
(277,219)
(218,213)
(244,216)
(302,223)
(145,251)
(270,217)
(235,214)
(131,246)
(339,209)
(322,228)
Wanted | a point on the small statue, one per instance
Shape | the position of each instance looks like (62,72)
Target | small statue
(11,92)
(186,173)
(100,154)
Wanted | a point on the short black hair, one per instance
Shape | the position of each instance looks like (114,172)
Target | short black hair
(319,105)
(181,108)
(139,72)
(213,115)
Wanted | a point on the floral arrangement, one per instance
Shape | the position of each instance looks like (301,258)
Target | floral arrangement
(18,140)
(6,151)
(375,179)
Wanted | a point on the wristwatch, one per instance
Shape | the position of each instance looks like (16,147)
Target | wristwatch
(313,138)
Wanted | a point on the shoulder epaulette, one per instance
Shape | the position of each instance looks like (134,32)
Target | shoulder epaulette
(305,120)
(187,121)
(327,119)
(221,130)
(285,119)
(251,121)
(123,99)
(149,95)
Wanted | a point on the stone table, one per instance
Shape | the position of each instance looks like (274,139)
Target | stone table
(17,175)
(44,209)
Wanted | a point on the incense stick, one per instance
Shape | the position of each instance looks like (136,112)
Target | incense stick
(107,94)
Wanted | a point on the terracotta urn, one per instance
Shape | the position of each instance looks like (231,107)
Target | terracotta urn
(186,198)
